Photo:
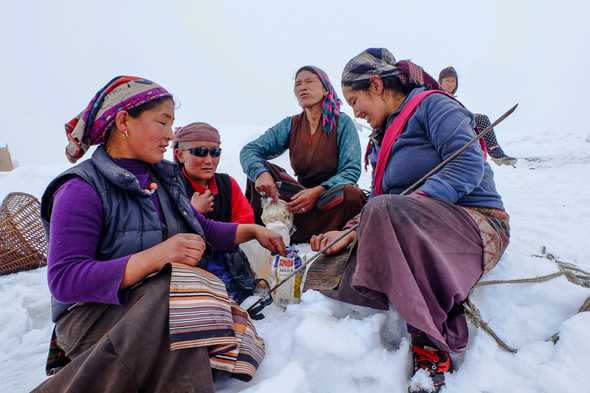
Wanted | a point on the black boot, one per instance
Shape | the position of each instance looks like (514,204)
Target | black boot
(500,158)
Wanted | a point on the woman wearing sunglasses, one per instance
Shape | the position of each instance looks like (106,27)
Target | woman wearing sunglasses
(218,197)
(325,154)
(215,195)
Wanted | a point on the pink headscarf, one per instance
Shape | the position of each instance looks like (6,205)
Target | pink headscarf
(199,131)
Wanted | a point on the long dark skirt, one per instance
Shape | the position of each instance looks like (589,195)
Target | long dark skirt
(423,257)
(126,348)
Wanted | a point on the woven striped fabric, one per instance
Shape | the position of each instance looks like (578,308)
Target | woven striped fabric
(203,315)
(494,229)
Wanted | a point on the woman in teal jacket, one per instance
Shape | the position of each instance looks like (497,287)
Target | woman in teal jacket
(324,150)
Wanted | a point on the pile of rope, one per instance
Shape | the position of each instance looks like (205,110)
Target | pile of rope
(570,271)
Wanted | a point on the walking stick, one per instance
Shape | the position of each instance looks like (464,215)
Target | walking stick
(255,309)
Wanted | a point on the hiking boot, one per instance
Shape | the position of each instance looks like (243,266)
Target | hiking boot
(430,366)
(500,158)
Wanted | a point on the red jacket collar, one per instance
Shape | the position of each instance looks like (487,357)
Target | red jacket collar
(211,184)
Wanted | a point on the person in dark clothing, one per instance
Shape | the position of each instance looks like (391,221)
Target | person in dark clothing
(197,150)
(449,82)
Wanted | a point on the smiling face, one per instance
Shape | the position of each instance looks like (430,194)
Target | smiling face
(145,137)
(368,104)
(199,168)
(308,89)
(449,84)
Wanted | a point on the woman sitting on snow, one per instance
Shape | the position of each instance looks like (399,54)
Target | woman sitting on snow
(217,196)
(124,246)
(324,150)
(449,82)
(420,253)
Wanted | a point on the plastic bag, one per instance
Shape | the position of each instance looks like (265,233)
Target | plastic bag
(276,212)
(275,268)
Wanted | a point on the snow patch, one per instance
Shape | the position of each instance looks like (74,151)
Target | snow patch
(324,346)
(421,380)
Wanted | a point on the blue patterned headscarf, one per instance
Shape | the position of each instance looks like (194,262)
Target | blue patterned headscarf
(331,104)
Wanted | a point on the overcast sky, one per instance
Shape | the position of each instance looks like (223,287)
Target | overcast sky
(233,62)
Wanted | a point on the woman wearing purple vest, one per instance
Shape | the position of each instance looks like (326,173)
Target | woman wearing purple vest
(420,253)
(132,309)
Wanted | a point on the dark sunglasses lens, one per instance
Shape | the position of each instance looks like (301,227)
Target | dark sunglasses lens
(200,151)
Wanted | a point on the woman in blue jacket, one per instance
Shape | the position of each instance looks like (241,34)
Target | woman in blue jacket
(420,253)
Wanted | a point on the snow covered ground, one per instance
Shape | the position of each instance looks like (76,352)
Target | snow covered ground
(324,346)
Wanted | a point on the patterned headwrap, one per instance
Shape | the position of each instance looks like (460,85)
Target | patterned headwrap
(381,62)
(122,93)
(331,104)
(449,71)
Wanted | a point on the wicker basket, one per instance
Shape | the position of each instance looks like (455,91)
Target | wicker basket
(23,244)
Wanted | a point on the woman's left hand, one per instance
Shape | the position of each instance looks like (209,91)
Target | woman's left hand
(318,242)
(305,200)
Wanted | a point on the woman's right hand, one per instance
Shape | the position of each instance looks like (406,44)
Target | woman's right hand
(270,240)
(265,185)
(320,241)
(185,248)
(203,203)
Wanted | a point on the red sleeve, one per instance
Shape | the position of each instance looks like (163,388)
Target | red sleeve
(241,211)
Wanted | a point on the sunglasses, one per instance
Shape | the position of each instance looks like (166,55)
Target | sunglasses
(202,151)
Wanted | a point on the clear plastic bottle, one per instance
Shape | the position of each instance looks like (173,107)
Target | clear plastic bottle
(281,268)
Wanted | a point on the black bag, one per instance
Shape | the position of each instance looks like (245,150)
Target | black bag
(235,268)
(242,275)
